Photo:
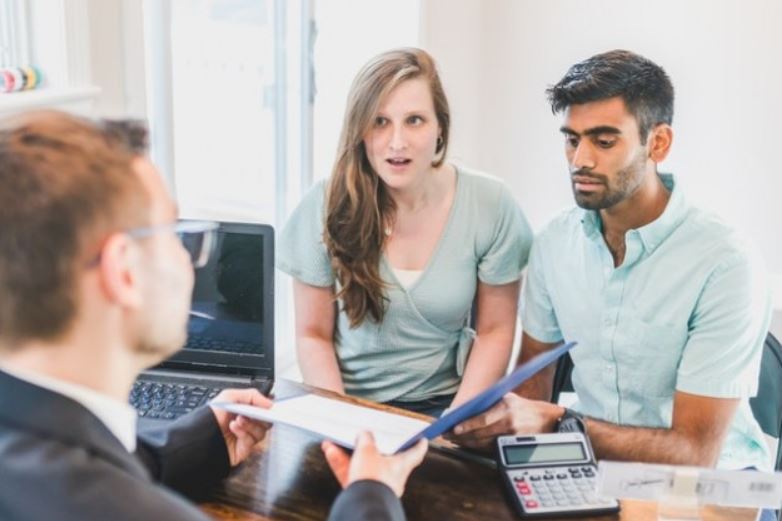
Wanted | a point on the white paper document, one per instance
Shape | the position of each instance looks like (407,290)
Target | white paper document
(747,488)
(335,420)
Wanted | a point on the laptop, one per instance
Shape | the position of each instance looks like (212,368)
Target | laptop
(230,340)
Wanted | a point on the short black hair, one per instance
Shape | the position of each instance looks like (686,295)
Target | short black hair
(643,85)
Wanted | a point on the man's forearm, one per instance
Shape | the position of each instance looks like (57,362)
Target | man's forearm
(649,445)
(539,386)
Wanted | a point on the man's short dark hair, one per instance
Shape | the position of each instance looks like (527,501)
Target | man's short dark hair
(67,183)
(643,85)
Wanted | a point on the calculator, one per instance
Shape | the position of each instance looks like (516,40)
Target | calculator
(550,475)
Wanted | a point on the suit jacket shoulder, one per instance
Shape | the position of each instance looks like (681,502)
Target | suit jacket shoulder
(367,499)
(58,461)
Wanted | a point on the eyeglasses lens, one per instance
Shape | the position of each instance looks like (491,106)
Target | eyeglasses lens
(198,245)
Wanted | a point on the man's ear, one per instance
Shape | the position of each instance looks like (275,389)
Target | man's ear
(119,271)
(660,140)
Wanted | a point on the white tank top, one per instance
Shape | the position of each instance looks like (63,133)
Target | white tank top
(407,277)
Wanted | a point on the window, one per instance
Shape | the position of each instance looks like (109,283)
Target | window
(224,108)
(53,36)
(14,42)
(237,125)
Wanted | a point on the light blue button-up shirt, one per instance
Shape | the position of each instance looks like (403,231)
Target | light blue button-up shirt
(687,310)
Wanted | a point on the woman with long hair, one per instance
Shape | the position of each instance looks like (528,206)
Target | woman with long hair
(390,254)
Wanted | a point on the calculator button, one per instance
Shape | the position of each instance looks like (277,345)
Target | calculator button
(534,478)
(531,503)
(524,490)
(576,475)
(586,469)
(548,477)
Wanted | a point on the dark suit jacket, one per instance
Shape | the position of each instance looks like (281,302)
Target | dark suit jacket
(59,461)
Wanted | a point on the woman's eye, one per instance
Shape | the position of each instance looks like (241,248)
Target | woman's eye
(380,121)
(415,120)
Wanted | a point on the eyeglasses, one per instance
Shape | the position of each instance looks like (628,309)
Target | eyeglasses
(198,237)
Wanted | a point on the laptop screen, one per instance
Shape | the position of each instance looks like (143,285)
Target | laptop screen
(231,324)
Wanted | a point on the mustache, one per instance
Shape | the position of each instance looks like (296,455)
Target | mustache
(581,172)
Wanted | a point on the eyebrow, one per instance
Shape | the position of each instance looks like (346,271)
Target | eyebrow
(414,112)
(594,131)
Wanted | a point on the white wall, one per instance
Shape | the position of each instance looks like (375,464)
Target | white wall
(723,56)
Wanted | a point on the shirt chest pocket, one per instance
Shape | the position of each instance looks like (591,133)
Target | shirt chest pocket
(648,357)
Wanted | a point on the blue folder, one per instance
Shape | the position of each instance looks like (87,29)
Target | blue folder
(489,397)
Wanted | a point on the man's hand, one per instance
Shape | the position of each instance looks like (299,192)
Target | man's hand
(368,463)
(512,415)
(241,434)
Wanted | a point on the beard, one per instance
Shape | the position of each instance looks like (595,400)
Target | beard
(625,184)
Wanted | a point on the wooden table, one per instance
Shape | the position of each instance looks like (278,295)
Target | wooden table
(289,480)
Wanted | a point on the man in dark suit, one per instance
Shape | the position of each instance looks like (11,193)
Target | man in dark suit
(95,288)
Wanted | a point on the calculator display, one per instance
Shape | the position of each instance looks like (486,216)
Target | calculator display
(543,452)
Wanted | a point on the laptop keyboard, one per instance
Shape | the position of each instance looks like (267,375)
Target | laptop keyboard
(221,344)
(168,401)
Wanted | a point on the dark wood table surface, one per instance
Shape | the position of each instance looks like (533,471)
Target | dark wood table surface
(288,479)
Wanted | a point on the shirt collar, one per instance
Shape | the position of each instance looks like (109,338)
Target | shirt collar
(654,233)
(118,417)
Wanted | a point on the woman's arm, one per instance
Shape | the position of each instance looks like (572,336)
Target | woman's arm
(491,350)
(315,310)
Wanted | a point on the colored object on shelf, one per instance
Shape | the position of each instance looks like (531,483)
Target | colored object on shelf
(14,79)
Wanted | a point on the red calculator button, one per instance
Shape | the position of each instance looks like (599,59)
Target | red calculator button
(531,503)
(524,489)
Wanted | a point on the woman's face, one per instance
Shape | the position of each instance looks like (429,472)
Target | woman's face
(402,141)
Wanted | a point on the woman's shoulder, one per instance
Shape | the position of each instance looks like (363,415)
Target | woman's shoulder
(316,193)
(308,214)
(485,188)
(311,203)
(475,177)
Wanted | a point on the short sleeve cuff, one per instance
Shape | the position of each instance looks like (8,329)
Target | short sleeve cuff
(541,334)
(716,389)
(498,279)
(313,279)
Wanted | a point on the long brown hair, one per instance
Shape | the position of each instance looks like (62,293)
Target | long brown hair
(357,202)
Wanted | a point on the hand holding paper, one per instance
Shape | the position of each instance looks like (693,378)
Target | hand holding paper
(368,463)
(341,422)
